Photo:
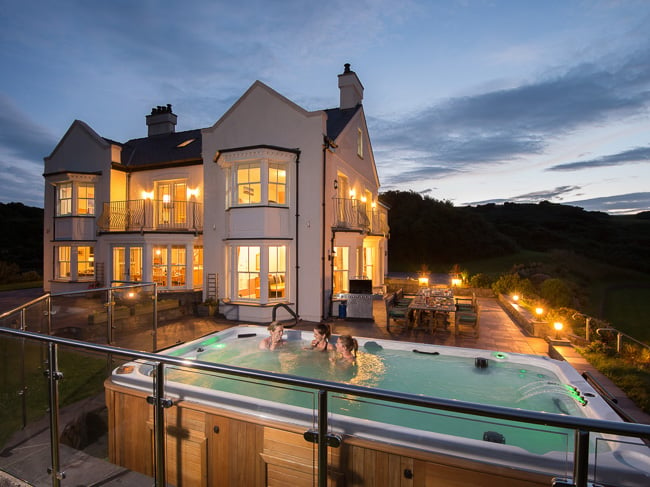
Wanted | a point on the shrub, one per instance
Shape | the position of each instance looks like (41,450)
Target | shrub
(480,281)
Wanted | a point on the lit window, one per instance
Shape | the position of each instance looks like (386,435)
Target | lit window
(86,199)
(341,269)
(360,142)
(177,266)
(277,271)
(64,199)
(277,184)
(63,262)
(249,184)
(159,265)
(86,262)
(248,272)
(260,273)
(197,266)
(185,143)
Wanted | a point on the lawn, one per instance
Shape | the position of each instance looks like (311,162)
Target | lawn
(628,309)
(83,376)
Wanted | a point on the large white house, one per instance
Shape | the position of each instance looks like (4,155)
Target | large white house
(272,210)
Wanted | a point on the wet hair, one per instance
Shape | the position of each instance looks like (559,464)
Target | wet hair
(323,329)
(349,343)
(274,325)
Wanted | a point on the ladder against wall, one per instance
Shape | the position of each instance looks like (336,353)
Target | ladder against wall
(99,273)
(212,289)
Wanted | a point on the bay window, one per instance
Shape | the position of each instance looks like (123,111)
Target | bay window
(74,262)
(64,199)
(75,198)
(257,177)
(63,263)
(86,262)
(259,272)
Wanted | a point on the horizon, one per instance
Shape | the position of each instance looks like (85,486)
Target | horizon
(471,102)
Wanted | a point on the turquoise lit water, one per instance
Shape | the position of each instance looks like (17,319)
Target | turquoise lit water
(502,383)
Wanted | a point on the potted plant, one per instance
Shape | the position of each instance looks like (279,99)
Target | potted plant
(209,307)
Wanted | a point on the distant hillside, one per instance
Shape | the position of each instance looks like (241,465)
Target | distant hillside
(428,232)
(21,236)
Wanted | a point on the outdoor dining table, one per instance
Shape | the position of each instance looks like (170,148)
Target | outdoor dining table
(427,303)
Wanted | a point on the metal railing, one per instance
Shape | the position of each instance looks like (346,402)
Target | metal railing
(350,214)
(151,215)
(582,427)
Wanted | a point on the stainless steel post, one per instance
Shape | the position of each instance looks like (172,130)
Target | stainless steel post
(53,381)
(109,316)
(581,458)
(159,424)
(322,438)
(155,317)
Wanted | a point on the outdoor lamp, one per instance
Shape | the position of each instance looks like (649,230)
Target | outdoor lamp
(558,328)
(539,311)
(423,281)
(515,297)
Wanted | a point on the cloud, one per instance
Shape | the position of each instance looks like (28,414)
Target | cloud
(511,124)
(621,204)
(20,136)
(556,193)
(632,156)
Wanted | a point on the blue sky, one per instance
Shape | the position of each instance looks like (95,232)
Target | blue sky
(468,101)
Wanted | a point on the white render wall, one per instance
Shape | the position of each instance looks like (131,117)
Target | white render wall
(263,117)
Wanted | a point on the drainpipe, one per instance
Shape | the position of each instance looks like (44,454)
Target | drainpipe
(327,145)
(297,277)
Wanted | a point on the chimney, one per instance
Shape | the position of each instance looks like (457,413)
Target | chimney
(161,121)
(350,87)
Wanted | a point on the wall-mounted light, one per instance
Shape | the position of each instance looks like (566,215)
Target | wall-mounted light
(373,204)
(363,199)
(166,198)
(352,193)
(192,192)
(336,184)
(147,195)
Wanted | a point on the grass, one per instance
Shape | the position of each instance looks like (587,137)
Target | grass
(83,376)
(21,285)
(633,381)
(628,308)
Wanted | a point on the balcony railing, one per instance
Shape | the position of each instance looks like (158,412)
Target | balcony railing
(353,215)
(350,214)
(151,215)
(379,222)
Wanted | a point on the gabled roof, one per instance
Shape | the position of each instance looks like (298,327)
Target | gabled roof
(337,119)
(169,148)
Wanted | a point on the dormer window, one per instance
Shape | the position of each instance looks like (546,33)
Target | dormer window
(185,143)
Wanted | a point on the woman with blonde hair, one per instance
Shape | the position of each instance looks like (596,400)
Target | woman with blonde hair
(346,348)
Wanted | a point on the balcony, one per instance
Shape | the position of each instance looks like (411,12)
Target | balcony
(379,222)
(353,214)
(147,215)
(350,214)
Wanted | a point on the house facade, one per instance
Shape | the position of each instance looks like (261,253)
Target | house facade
(276,204)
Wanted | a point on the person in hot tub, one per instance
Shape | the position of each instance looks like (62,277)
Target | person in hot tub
(346,350)
(321,341)
(274,340)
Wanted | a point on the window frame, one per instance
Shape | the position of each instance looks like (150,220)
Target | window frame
(268,275)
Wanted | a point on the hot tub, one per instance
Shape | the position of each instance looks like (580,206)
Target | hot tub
(486,377)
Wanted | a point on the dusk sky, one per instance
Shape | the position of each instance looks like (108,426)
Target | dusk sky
(469,101)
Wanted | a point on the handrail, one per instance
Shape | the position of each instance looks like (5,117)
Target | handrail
(636,430)
(581,426)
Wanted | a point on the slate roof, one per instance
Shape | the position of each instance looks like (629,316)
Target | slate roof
(162,149)
(337,119)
